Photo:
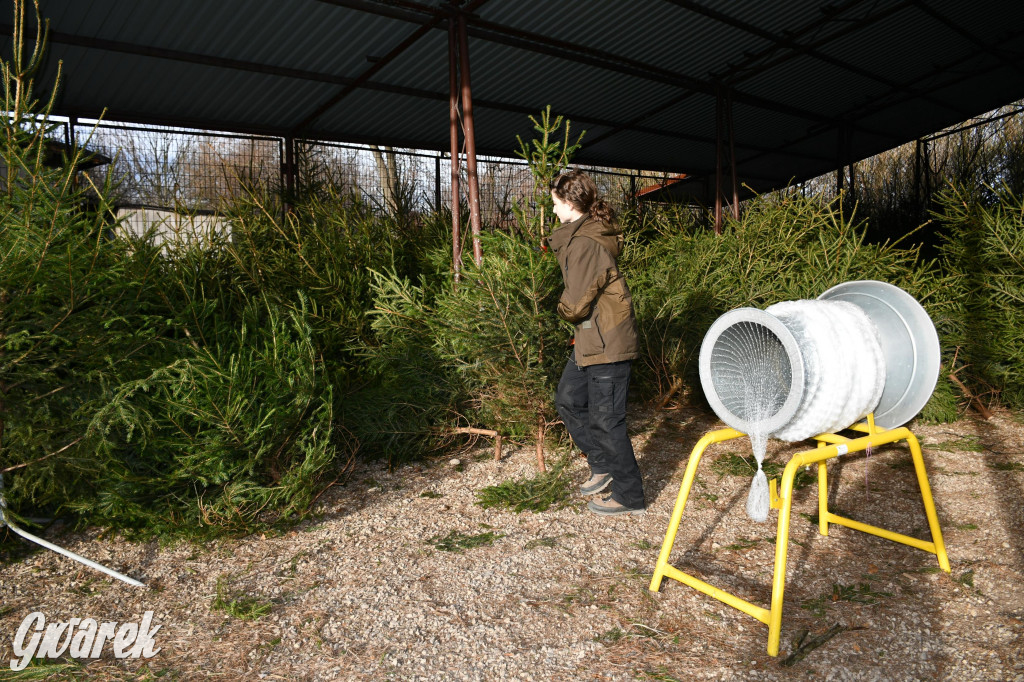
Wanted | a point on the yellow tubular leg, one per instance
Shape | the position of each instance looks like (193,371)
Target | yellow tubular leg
(822,495)
(929,503)
(781,551)
(684,493)
(829,447)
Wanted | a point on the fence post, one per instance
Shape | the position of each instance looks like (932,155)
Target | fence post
(288,173)
(437,183)
(840,157)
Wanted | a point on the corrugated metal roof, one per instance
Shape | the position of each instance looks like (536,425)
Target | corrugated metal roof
(640,75)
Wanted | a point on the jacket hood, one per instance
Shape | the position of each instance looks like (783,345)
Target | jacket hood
(608,236)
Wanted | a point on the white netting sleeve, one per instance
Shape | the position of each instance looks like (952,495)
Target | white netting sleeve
(757,498)
(844,370)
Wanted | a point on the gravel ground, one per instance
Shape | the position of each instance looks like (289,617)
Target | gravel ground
(362,592)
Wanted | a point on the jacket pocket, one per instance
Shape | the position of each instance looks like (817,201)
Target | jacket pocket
(588,337)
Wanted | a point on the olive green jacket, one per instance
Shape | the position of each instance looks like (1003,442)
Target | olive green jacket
(596,298)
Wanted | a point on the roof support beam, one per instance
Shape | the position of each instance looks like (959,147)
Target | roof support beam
(412,12)
(632,123)
(498,33)
(363,78)
(591,57)
(883,102)
(755,64)
(790,43)
(186,57)
(533,42)
(349,85)
(714,14)
(941,18)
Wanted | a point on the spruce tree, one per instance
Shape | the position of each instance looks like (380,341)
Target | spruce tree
(495,332)
(74,316)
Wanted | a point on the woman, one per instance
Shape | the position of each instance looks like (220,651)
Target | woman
(591,397)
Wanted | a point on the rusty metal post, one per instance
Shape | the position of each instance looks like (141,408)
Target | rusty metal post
(453,124)
(732,158)
(705,209)
(718,161)
(467,120)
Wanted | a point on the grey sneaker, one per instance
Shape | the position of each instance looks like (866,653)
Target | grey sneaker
(606,506)
(596,484)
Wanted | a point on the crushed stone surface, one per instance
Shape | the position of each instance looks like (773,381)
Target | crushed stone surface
(362,590)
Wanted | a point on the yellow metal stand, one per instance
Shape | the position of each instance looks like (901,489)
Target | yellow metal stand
(829,446)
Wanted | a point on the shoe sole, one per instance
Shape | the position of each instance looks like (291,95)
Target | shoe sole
(615,512)
(594,491)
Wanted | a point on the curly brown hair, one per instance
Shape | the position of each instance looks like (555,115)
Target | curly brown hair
(577,189)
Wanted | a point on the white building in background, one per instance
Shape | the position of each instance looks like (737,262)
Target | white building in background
(171,228)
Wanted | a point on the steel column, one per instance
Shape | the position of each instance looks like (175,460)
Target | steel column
(718,161)
(470,137)
(732,157)
(453,121)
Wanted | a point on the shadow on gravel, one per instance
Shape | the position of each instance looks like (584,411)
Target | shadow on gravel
(881,489)
(855,587)
(664,457)
(1004,473)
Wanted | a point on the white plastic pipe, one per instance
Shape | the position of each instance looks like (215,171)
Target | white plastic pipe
(4,521)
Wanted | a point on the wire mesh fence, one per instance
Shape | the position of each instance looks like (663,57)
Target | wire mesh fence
(194,171)
(173,169)
(198,171)
(412,180)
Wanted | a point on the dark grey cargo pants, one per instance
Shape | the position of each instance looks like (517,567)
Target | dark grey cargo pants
(592,403)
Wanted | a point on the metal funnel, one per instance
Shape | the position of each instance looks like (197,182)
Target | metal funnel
(910,346)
